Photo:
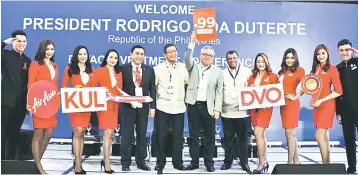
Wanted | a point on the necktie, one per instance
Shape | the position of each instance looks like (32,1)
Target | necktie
(138,79)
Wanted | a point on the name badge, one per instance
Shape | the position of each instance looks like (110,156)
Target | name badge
(170,90)
(235,95)
(138,91)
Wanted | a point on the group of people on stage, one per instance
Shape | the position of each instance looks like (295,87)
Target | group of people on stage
(202,89)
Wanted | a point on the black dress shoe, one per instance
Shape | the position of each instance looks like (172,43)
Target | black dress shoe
(158,169)
(245,166)
(125,168)
(226,166)
(143,167)
(210,168)
(351,170)
(179,167)
(192,167)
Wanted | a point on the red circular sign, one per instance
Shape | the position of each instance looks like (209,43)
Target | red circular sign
(311,84)
(43,99)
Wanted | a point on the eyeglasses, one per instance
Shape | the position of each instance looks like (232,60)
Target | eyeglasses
(207,55)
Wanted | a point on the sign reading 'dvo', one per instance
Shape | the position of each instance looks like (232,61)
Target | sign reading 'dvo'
(83,99)
(261,96)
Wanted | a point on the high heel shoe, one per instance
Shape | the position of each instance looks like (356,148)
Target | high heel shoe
(104,167)
(262,170)
(82,170)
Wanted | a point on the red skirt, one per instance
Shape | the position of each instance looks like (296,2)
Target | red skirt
(290,113)
(323,116)
(44,123)
(261,117)
(108,119)
(80,119)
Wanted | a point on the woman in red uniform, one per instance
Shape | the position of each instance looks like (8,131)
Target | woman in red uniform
(260,118)
(79,74)
(43,68)
(291,75)
(325,106)
(109,76)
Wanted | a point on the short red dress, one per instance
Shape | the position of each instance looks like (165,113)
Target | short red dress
(262,117)
(324,114)
(109,119)
(39,72)
(78,119)
(291,111)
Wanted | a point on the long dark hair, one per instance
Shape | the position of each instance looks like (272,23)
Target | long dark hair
(268,69)
(284,66)
(316,61)
(104,63)
(74,68)
(41,51)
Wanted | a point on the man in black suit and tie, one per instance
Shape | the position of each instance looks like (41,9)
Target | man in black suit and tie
(14,71)
(346,110)
(138,80)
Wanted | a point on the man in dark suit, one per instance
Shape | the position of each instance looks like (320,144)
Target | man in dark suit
(138,80)
(14,71)
(346,110)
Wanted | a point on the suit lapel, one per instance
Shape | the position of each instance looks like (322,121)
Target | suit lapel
(144,73)
(130,73)
(211,74)
(262,82)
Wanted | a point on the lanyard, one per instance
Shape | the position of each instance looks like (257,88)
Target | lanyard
(202,74)
(234,78)
(170,70)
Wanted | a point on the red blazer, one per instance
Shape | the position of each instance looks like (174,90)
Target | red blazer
(104,80)
(41,72)
(75,79)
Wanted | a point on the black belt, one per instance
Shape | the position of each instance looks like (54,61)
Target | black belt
(200,102)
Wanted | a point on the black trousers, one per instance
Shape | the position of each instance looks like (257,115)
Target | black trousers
(162,122)
(11,122)
(238,126)
(127,134)
(349,124)
(198,117)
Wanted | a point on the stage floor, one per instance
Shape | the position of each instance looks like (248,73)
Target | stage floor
(58,160)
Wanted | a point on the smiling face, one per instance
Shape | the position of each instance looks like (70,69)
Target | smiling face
(171,54)
(290,59)
(232,60)
(50,50)
(137,56)
(82,56)
(112,59)
(261,63)
(345,52)
(20,43)
(206,56)
(322,55)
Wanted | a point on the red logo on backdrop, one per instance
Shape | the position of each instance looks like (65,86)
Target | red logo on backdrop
(43,99)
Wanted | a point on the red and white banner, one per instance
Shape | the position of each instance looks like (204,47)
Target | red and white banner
(261,96)
(43,99)
(83,99)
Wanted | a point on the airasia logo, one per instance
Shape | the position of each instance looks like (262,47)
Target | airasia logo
(261,96)
(43,99)
(83,99)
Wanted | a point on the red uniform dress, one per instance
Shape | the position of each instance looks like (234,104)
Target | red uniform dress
(78,119)
(291,111)
(324,114)
(262,117)
(42,72)
(109,119)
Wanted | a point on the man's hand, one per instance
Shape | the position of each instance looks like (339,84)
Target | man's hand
(339,118)
(151,113)
(355,51)
(9,40)
(28,108)
(193,38)
(216,114)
